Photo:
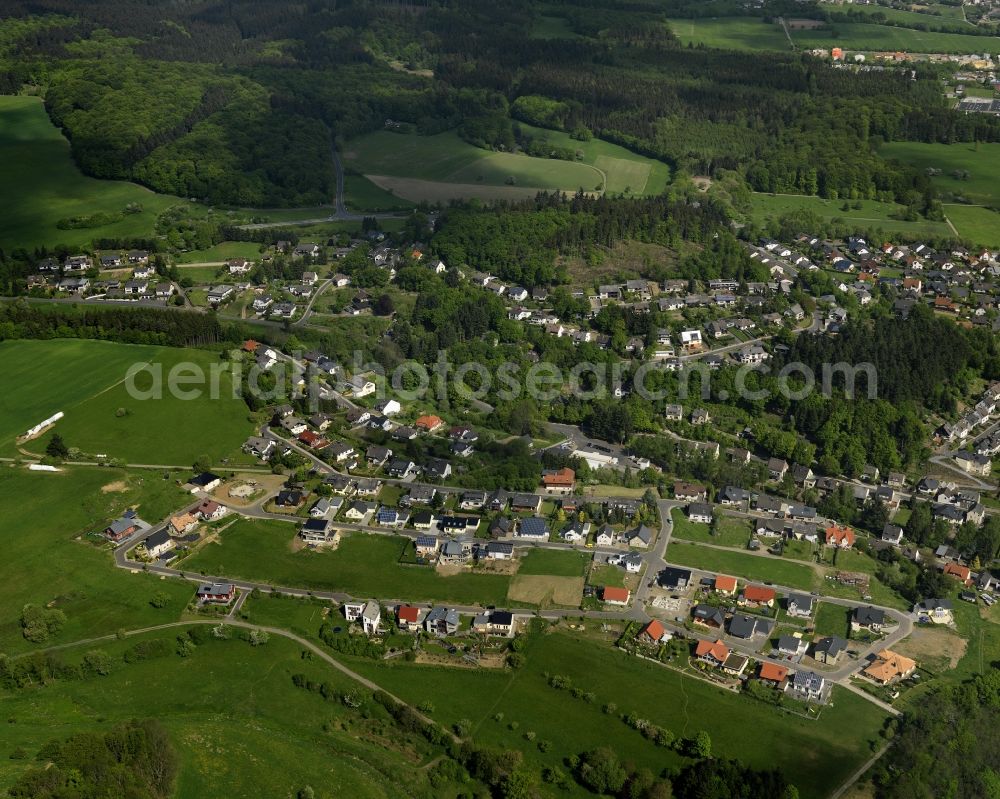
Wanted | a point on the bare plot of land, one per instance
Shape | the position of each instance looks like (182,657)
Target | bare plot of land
(936,648)
(540,589)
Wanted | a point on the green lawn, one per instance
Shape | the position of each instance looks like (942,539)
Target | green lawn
(979,225)
(833,746)
(751,567)
(871,214)
(558,563)
(239,725)
(603,574)
(731,532)
(86,380)
(43,516)
(833,620)
(40,185)
(362,565)
(981,161)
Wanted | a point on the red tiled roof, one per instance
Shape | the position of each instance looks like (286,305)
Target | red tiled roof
(408,613)
(758,593)
(772,671)
(725,583)
(654,630)
(837,535)
(429,422)
(718,650)
(559,478)
(612,594)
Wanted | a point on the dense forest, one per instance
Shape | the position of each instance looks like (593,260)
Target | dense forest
(945,746)
(134,760)
(239,103)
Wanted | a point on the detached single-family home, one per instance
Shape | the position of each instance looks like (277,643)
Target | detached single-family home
(757,596)
(867,618)
(216,593)
(888,667)
(158,544)
(713,653)
(800,605)
(615,596)
(441,621)
(828,650)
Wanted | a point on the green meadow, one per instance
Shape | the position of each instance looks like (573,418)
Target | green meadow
(46,562)
(815,754)
(362,565)
(625,171)
(86,380)
(871,214)
(239,725)
(979,225)
(742,33)
(40,185)
(981,161)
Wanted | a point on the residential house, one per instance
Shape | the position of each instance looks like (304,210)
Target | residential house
(808,686)
(828,650)
(800,605)
(867,618)
(559,481)
(708,616)
(158,544)
(673,578)
(216,593)
(757,596)
(724,584)
(612,595)
(774,675)
(533,528)
(889,667)
(654,633)
(442,621)
(408,618)
(713,653)
(700,512)
(746,626)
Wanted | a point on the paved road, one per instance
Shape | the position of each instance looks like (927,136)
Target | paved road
(307,311)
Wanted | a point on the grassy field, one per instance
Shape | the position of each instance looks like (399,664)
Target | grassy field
(730,33)
(977,224)
(232,713)
(741,33)
(872,214)
(625,170)
(558,563)
(40,185)
(416,167)
(982,162)
(815,754)
(44,562)
(220,252)
(546,27)
(751,567)
(833,620)
(363,565)
(360,194)
(86,380)
(731,532)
